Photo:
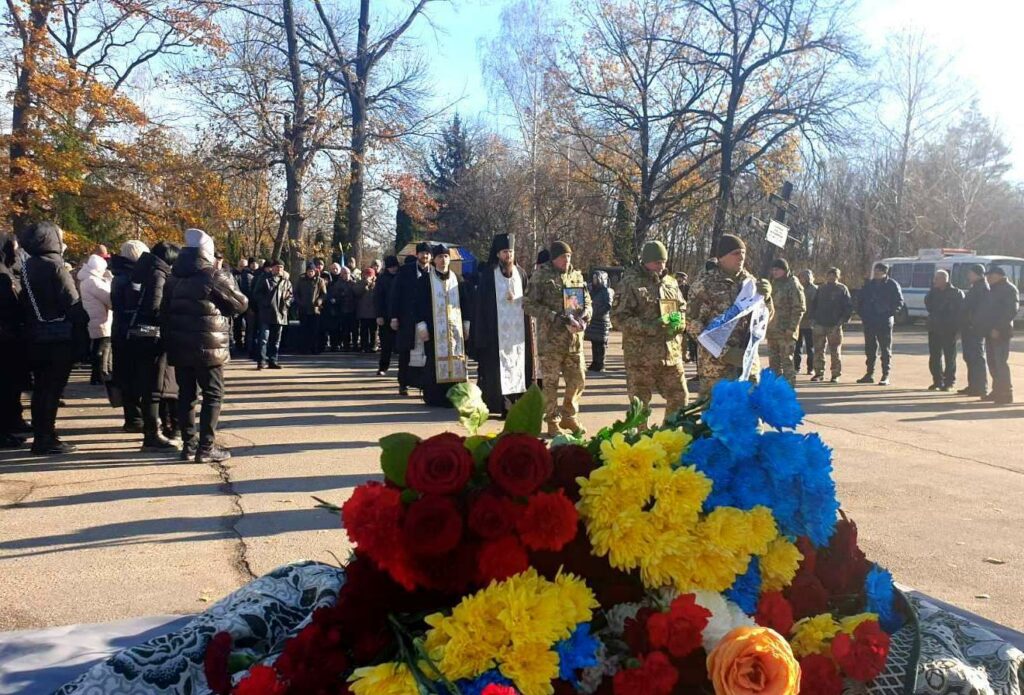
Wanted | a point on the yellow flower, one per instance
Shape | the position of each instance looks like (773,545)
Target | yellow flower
(640,456)
(814,635)
(392,678)
(531,665)
(779,565)
(753,660)
(673,442)
(851,623)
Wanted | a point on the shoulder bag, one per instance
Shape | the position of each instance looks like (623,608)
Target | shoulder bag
(142,331)
(56,330)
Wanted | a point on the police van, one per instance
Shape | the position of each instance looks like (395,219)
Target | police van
(915,274)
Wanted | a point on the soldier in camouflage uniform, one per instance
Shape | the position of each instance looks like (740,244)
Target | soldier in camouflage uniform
(653,355)
(790,305)
(559,337)
(830,310)
(711,295)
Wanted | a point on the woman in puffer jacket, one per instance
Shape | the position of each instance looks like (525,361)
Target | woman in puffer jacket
(94,286)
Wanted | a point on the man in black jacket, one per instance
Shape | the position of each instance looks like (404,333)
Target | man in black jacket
(242,325)
(123,297)
(879,301)
(197,304)
(12,353)
(943,303)
(973,332)
(403,312)
(830,310)
(271,297)
(382,298)
(1002,312)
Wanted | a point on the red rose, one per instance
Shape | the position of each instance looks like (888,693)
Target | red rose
(774,611)
(432,526)
(679,630)
(440,465)
(262,680)
(492,515)
(519,464)
(862,656)
(635,633)
(373,517)
(655,676)
(807,596)
(500,559)
(549,521)
(215,663)
(571,461)
(818,676)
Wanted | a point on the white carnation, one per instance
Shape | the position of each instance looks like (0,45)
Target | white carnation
(725,616)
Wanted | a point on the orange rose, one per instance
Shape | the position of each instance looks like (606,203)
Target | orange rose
(754,661)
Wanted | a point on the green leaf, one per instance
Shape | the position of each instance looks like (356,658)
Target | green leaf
(240,661)
(409,496)
(468,400)
(527,414)
(480,446)
(394,455)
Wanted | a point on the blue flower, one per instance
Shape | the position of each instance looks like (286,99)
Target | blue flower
(783,453)
(577,652)
(775,401)
(477,685)
(711,457)
(882,599)
(747,588)
(731,416)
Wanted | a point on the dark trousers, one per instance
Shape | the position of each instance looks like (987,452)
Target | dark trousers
(148,364)
(878,343)
(403,368)
(12,356)
(131,399)
(210,380)
(349,331)
(974,357)
(51,367)
(270,344)
(241,326)
(310,326)
(100,360)
(387,346)
(804,344)
(368,335)
(942,358)
(599,348)
(253,338)
(332,321)
(997,351)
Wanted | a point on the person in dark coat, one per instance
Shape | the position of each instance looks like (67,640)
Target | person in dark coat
(331,321)
(974,331)
(242,325)
(382,299)
(403,313)
(49,295)
(944,304)
(600,325)
(272,296)
(123,297)
(154,379)
(502,349)
(1002,312)
(341,310)
(879,301)
(310,295)
(196,307)
(366,309)
(435,388)
(12,352)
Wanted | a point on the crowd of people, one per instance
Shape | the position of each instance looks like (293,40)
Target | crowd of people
(157,326)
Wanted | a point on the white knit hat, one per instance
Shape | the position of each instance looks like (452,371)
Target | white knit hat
(198,239)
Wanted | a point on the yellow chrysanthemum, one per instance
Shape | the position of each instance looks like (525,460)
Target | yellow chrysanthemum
(531,665)
(779,565)
(814,635)
(851,623)
(673,442)
(640,456)
(392,678)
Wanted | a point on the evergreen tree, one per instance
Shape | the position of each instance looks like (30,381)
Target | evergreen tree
(622,233)
(447,166)
(405,228)
(341,243)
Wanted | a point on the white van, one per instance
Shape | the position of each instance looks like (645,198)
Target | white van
(915,274)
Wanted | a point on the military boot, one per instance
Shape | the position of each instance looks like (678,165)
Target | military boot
(569,423)
(554,430)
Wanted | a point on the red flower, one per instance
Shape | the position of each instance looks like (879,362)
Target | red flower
(818,676)
(440,465)
(774,611)
(862,656)
(679,630)
(492,515)
(807,596)
(571,461)
(432,526)
(495,689)
(500,559)
(635,632)
(215,663)
(655,676)
(549,521)
(810,553)
(519,464)
(373,518)
(262,680)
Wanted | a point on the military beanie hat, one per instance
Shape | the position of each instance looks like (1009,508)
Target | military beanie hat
(727,244)
(781,264)
(653,251)
(423,247)
(559,249)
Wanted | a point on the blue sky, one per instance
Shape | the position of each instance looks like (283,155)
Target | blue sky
(983,36)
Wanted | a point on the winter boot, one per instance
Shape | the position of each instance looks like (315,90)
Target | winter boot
(868,378)
(212,454)
(569,424)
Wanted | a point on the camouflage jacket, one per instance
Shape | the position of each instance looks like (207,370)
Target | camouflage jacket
(641,299)
(790,306)
(711,295)
(545,302)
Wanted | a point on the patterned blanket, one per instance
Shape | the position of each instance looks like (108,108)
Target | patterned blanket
(939,653)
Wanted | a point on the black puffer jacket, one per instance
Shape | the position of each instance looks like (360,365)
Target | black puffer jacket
(123,296)
(150,274)
(601,323)
(51,283)
(195,309)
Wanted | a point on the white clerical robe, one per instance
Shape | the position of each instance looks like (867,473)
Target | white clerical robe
(449,330)
(508,296)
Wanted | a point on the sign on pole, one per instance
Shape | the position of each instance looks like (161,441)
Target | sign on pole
(778,234)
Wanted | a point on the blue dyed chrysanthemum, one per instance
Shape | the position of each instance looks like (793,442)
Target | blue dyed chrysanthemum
(882,599)
(774,400)
(745,591)
(577,652)
(731,416)
(477,685)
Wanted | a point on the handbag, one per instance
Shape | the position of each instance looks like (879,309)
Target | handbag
(47,330)
(142,331)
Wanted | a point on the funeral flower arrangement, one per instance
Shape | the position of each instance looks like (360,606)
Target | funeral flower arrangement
(705,557)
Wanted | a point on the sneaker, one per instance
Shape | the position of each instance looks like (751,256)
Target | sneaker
(990,397)
(884,381)
(273,365)
(937,387)
(817,378)
(834,379)
(189,449)
(382,372)
(54,447)
(213,454)
(948,387)
(866,379)
(159,443)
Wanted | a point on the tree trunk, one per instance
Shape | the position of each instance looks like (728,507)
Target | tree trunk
(295,131)
(282,227)
(357,160)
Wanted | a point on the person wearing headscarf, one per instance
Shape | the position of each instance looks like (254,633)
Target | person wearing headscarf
(12,352)
(94,285)
(403,314)
(441,327)
(123,298)
(600,326)
(382,299)
(501,334)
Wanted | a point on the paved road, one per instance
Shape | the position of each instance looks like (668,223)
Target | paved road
(933,480)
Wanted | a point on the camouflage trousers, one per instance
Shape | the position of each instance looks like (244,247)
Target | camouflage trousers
(833,337)
(644,378)
(780,358)
(568,366)
(711,370)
